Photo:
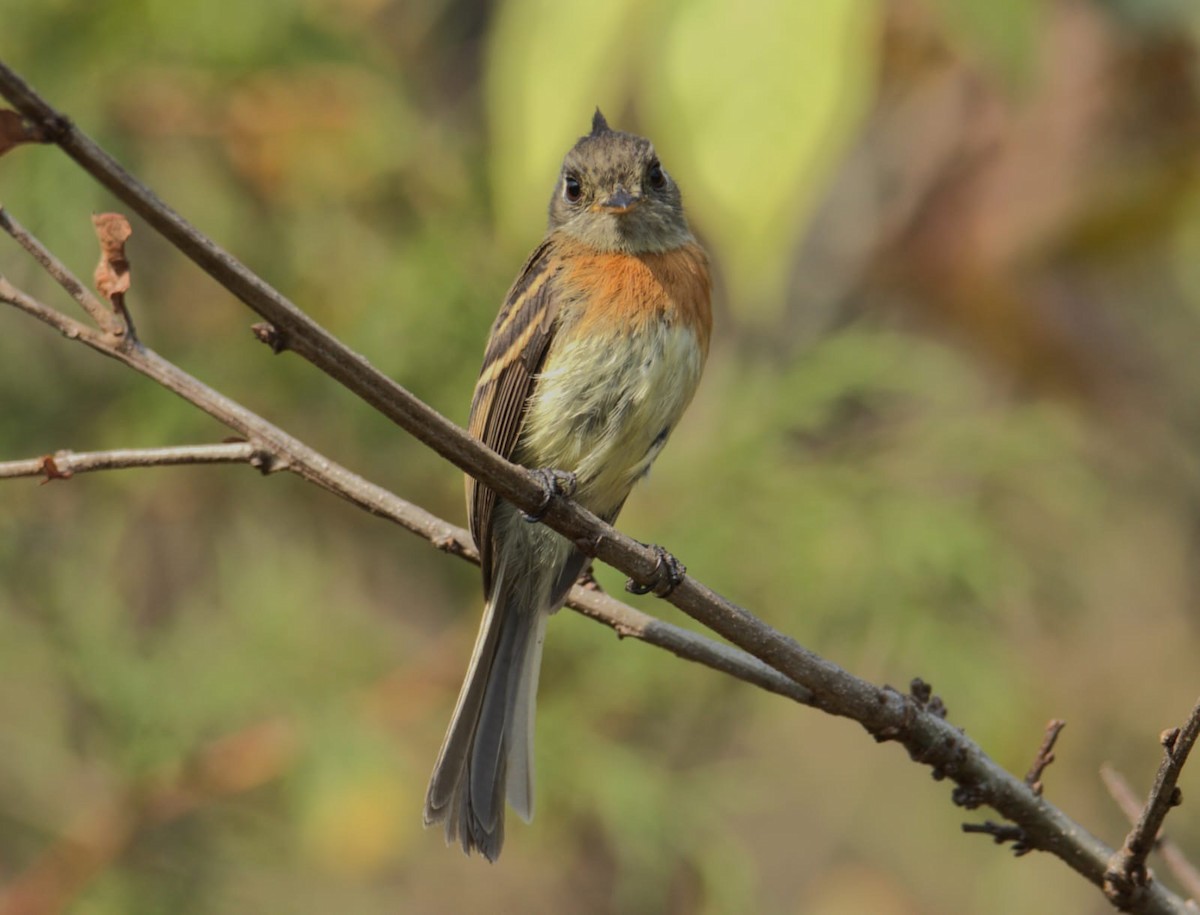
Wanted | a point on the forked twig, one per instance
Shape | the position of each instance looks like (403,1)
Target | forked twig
(270,449)
(1127,880)
(1177,862)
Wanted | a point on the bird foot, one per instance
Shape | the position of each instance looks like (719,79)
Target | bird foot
(554,483)
(668,573)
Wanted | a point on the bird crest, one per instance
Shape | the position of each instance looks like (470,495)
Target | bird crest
(599,124)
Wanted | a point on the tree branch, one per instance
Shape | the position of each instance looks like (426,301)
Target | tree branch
(1183,869)
(104,317)
(1045,754)
(1127,878)
(270,449)
(62,465)
(883,712)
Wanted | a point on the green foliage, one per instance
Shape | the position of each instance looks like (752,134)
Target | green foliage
(1004,34)
(753,162)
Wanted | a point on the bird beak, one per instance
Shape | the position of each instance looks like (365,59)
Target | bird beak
(621,201)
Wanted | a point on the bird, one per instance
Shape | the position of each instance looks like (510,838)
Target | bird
(595,354)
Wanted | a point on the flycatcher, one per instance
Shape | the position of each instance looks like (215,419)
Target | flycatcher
(592,360)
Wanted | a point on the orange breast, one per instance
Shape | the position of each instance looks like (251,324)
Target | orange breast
(628,290)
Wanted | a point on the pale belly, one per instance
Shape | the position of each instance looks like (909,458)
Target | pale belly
(604,411)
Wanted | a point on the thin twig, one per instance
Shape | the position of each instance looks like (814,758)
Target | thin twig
(1177,862)
(1045,755)
(62,465)
(1126,880)
(1001,833)
(99,312)
(68,327)
(628,622)
(1006,832)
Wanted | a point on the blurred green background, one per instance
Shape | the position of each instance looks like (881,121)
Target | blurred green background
(948,429)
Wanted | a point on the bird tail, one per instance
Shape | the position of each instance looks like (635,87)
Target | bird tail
(487,754)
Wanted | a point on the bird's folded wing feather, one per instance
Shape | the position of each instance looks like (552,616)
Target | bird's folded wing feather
(517,347)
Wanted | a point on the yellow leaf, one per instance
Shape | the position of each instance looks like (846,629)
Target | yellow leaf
(754,102)
(355,825)
(549,65)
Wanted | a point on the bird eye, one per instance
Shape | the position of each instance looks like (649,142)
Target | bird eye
(572,189)
(656,176)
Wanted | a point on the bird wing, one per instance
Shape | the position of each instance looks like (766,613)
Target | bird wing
(517,346)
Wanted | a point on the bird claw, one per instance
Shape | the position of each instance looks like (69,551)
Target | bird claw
(668,573)
(554,483)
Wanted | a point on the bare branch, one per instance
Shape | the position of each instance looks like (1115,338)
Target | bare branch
(1001,833)
(68,327)
(62,465)
(15,130)
(1045,755)
(690,646)
(1006,832)
(596,605)
(1183,869)
(1126,880)
(270,449)
(104,317)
